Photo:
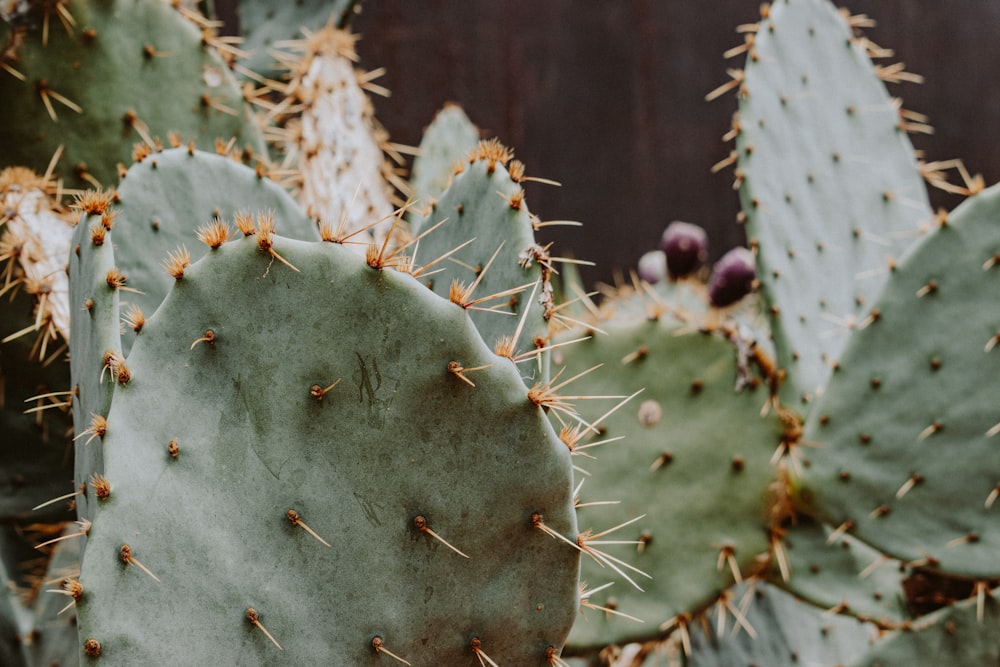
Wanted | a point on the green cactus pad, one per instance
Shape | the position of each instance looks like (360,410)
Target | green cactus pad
(955,635)
(486,206)
(695,460)
(329,390)
(907,427)
(447,140)
(830,184)
(94,333)
(125,59)
(841,573)
(166,198)
(264,24)
(789,633)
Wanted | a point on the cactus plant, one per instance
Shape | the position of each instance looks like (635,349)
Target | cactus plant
(448,139)
(94,86)
(378,466)
(830,186)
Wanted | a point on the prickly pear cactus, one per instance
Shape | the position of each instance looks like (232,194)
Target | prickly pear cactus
(334,142)
(777,630)
(447,140)
(486,255)
(828,180)
(961,634)
(337,489)
(694,464)
(908,431)
(151,219)
(265,25)
(97,77)
(838,573)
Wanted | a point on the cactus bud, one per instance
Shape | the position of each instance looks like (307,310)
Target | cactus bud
(685,246)
(732,277)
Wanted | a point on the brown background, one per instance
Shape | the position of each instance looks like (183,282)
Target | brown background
(607,96)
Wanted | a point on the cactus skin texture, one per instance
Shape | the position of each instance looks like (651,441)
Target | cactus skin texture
(702,481)
(447,140)
(265,24)
(962,634)
(829,184)
(151,220)
(908,453)
(485,204)
(789,633)
(135,69)
(329,390)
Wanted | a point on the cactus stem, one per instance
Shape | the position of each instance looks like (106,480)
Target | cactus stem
(458,371)
(254,619)
(319,392)
(296,520)
(421,524)
(126,555)
(52,502)
(379,646)
(209,338)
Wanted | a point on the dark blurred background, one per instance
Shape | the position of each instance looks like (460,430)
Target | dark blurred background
(608,98)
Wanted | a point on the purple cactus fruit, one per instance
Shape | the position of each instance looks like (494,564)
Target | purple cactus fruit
(686,248)
(653,267)
(732,277)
